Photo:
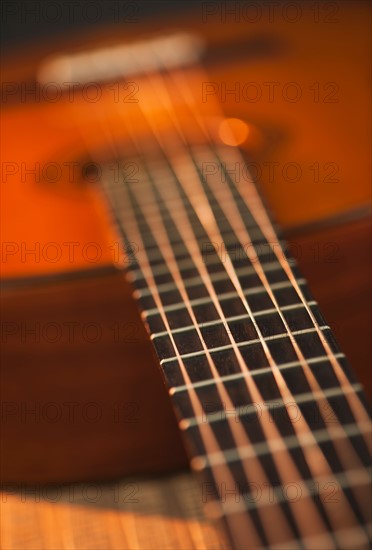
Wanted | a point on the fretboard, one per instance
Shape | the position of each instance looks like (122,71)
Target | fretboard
(275,424)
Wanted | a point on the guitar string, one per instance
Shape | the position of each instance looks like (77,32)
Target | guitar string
(238,432)
(207,434)
(260,214)
(240,523)
(345,450)
(185,297)
(183,225)
(349,453)
(161,95)
(256,259)
(268,436)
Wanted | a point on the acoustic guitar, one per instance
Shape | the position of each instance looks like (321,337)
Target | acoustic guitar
(124,161)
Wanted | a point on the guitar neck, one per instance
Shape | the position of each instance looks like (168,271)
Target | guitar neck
(273,419)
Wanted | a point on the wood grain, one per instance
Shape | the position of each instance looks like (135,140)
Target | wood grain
(131,514)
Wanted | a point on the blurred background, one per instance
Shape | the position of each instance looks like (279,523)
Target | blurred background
(298,75)
(24,22)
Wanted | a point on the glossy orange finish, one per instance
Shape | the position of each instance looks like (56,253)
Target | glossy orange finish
(312,107)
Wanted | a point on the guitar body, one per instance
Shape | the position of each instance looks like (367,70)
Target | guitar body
(82,395)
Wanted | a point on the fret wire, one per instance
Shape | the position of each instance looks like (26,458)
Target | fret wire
(246,504)
(154,253)
(347,455)
(259,372)
(227,242)
(254,231)
(237,347)
(215,277)
(260,272)
(292,442)
(183,264)
(238,287)
(345,450)
(174,344)
(357,477)
(343,445)
(219,416)
(254,534)
(242,317)
(184,89)
(305,424)
(245,344)
(170,201)
(354,402)
(243,434)
(196,404)
(234,194)
(206,351)
(222,297)
(311,379)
